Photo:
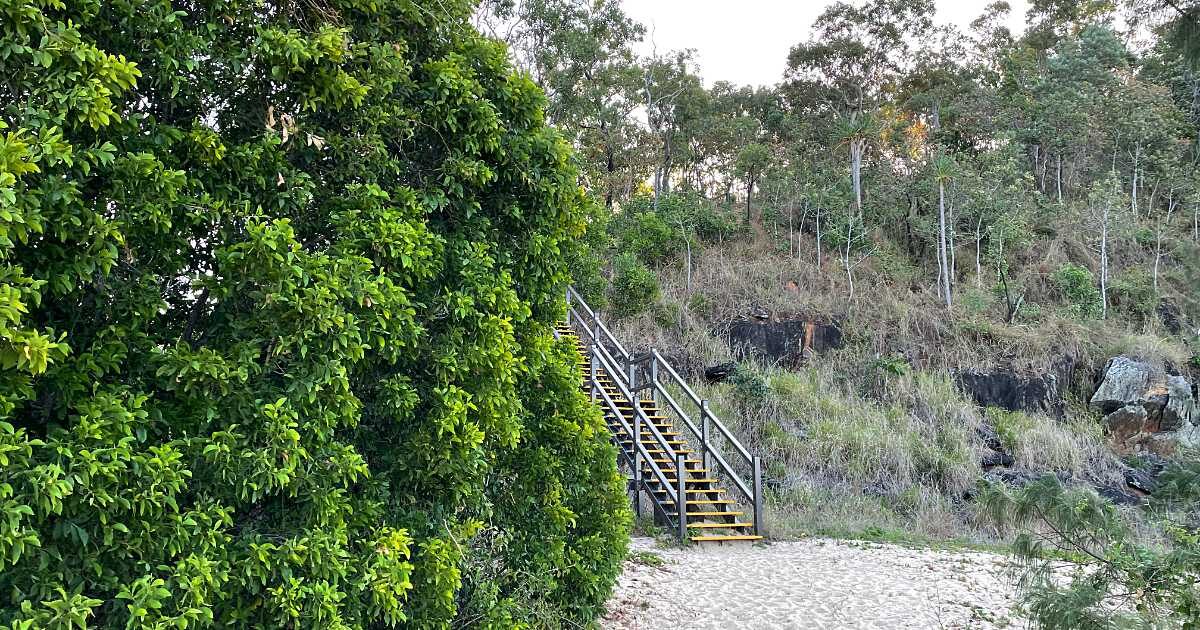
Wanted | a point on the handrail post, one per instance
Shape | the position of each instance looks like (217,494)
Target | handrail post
(758,498)
(653,375)
(568,305)
(637,462)
(704,446)
(595,361)
(681,496)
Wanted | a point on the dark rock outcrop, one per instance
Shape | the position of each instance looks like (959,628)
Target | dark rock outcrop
(784,341)
(1141,480)
(1008,390)
(1170,315)
(718,373)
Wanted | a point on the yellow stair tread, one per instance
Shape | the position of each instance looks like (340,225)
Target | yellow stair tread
(724,538)
(710,513)
(709,501)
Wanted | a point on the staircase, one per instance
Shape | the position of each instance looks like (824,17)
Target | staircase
(658,439)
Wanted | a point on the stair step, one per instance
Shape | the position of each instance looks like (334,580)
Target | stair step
(723,538)
(691,491)
(707,514)
(709,502)
(720,525)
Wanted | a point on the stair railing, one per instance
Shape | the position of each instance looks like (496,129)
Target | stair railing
(624,371)
(704,433)
(677,493)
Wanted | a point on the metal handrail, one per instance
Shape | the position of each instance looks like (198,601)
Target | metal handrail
(677,495)
(573,297)
(622,371)
(725,432)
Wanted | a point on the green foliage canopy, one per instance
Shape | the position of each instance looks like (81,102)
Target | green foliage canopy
(277,281)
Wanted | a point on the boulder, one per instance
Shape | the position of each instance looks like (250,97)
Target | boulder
(1118,495)
(786,341)
(1181,408)
(1008,390)
(1127,381)
(1170,315)
(1129,423)
(1141,480)
(995,459)
(1147,410)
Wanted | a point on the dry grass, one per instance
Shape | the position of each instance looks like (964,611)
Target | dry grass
(855,450)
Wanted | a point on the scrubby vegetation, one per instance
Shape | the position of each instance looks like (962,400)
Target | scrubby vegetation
(278,282)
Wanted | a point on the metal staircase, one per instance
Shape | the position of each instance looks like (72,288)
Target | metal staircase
(640,397)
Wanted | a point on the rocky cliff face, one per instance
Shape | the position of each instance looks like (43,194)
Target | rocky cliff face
(787,341)
(1147,410)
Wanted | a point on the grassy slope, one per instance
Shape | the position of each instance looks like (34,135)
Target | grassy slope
(873,439)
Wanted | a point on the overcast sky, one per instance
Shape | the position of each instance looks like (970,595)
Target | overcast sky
(747,41)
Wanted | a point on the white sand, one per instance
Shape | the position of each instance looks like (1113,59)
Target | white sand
(814,583)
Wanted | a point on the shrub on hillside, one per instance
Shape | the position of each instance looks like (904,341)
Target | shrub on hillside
(634,286)
(278,280)
(657,235)
(1077,286)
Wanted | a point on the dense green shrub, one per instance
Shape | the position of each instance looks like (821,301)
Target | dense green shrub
(278,280)
(634,286)
(1078,288)
(647,236)
(657,235)
(1133,293)
(750,387)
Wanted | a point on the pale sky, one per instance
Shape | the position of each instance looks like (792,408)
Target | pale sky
(747,41)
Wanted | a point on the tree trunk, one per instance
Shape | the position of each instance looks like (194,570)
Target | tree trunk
(749,192)
(1162,225)
(1104,261)
(952,265)
(818,237)
(856,154)
(1058,178)
(1133,202)
(846,260)
(943,268)
(978,257)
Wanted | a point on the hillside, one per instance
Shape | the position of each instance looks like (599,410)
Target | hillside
(878,414)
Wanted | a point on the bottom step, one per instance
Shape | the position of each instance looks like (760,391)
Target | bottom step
(723,538)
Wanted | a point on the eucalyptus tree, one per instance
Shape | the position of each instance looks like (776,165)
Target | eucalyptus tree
(752,160)
(581,54)
(669,88)
(944,170)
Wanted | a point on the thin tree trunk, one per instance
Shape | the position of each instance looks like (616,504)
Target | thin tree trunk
(856,155)
(818,237)
(1104,260)
(943,269)
(1133,200)
(687,241)
(1162,225)
(749,193)
(953,263)
(849,270)
(1058,178)
(978,256)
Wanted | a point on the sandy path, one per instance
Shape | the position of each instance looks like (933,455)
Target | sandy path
(813,584)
